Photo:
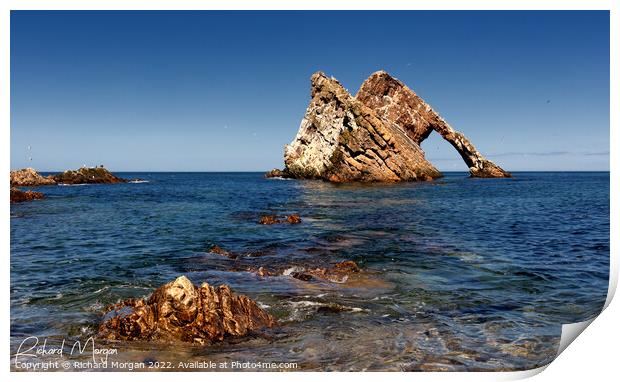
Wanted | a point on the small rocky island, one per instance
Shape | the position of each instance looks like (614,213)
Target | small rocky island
(372,137)
(29,177)
(87,175)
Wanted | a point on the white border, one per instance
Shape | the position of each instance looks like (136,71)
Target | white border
(601,342)
(311,4)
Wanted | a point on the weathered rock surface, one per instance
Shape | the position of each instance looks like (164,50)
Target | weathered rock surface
(87,175)
(28,177)
(18,196)
(181,311)
(392,100)
(341,140)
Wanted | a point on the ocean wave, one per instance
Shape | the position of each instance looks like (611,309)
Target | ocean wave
(138,181)
(76,184)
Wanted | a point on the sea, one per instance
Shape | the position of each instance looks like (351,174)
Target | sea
(457,274)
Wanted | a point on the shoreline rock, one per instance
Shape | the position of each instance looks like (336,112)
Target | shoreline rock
(342,140)
(29,177)
(19,196)
(181,311)
(87,175)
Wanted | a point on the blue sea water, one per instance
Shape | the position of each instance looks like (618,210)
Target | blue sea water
(458,274)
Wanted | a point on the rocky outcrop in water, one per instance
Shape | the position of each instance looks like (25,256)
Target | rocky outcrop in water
(28,177)
(18,196)
(374,136)
(222,252)
(342,140)
(87,175)
(273,219)
(392,100)
(339,273)
(276,173)
(181,311)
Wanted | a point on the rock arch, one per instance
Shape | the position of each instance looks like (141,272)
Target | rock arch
(392,100)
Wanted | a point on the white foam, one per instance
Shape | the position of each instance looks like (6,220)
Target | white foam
(101,289)
(287,272)
(297,304)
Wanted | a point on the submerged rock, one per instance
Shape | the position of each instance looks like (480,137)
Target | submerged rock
(348,266)
(261,271)
(293,219)
(221,251)
(181,311)
(301,276)
(18,196)
(269,219)
(341,140)
(273,219)
(87,175)
(392,100)
(338,273)
(29,177)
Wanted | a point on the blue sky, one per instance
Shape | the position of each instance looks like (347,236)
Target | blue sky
(224,91)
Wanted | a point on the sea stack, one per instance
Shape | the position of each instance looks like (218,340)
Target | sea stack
(372,137)
(392,100)
(342,140)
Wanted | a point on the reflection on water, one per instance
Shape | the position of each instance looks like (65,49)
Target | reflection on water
(458,274)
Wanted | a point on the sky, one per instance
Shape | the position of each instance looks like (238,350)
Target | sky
(225,91)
